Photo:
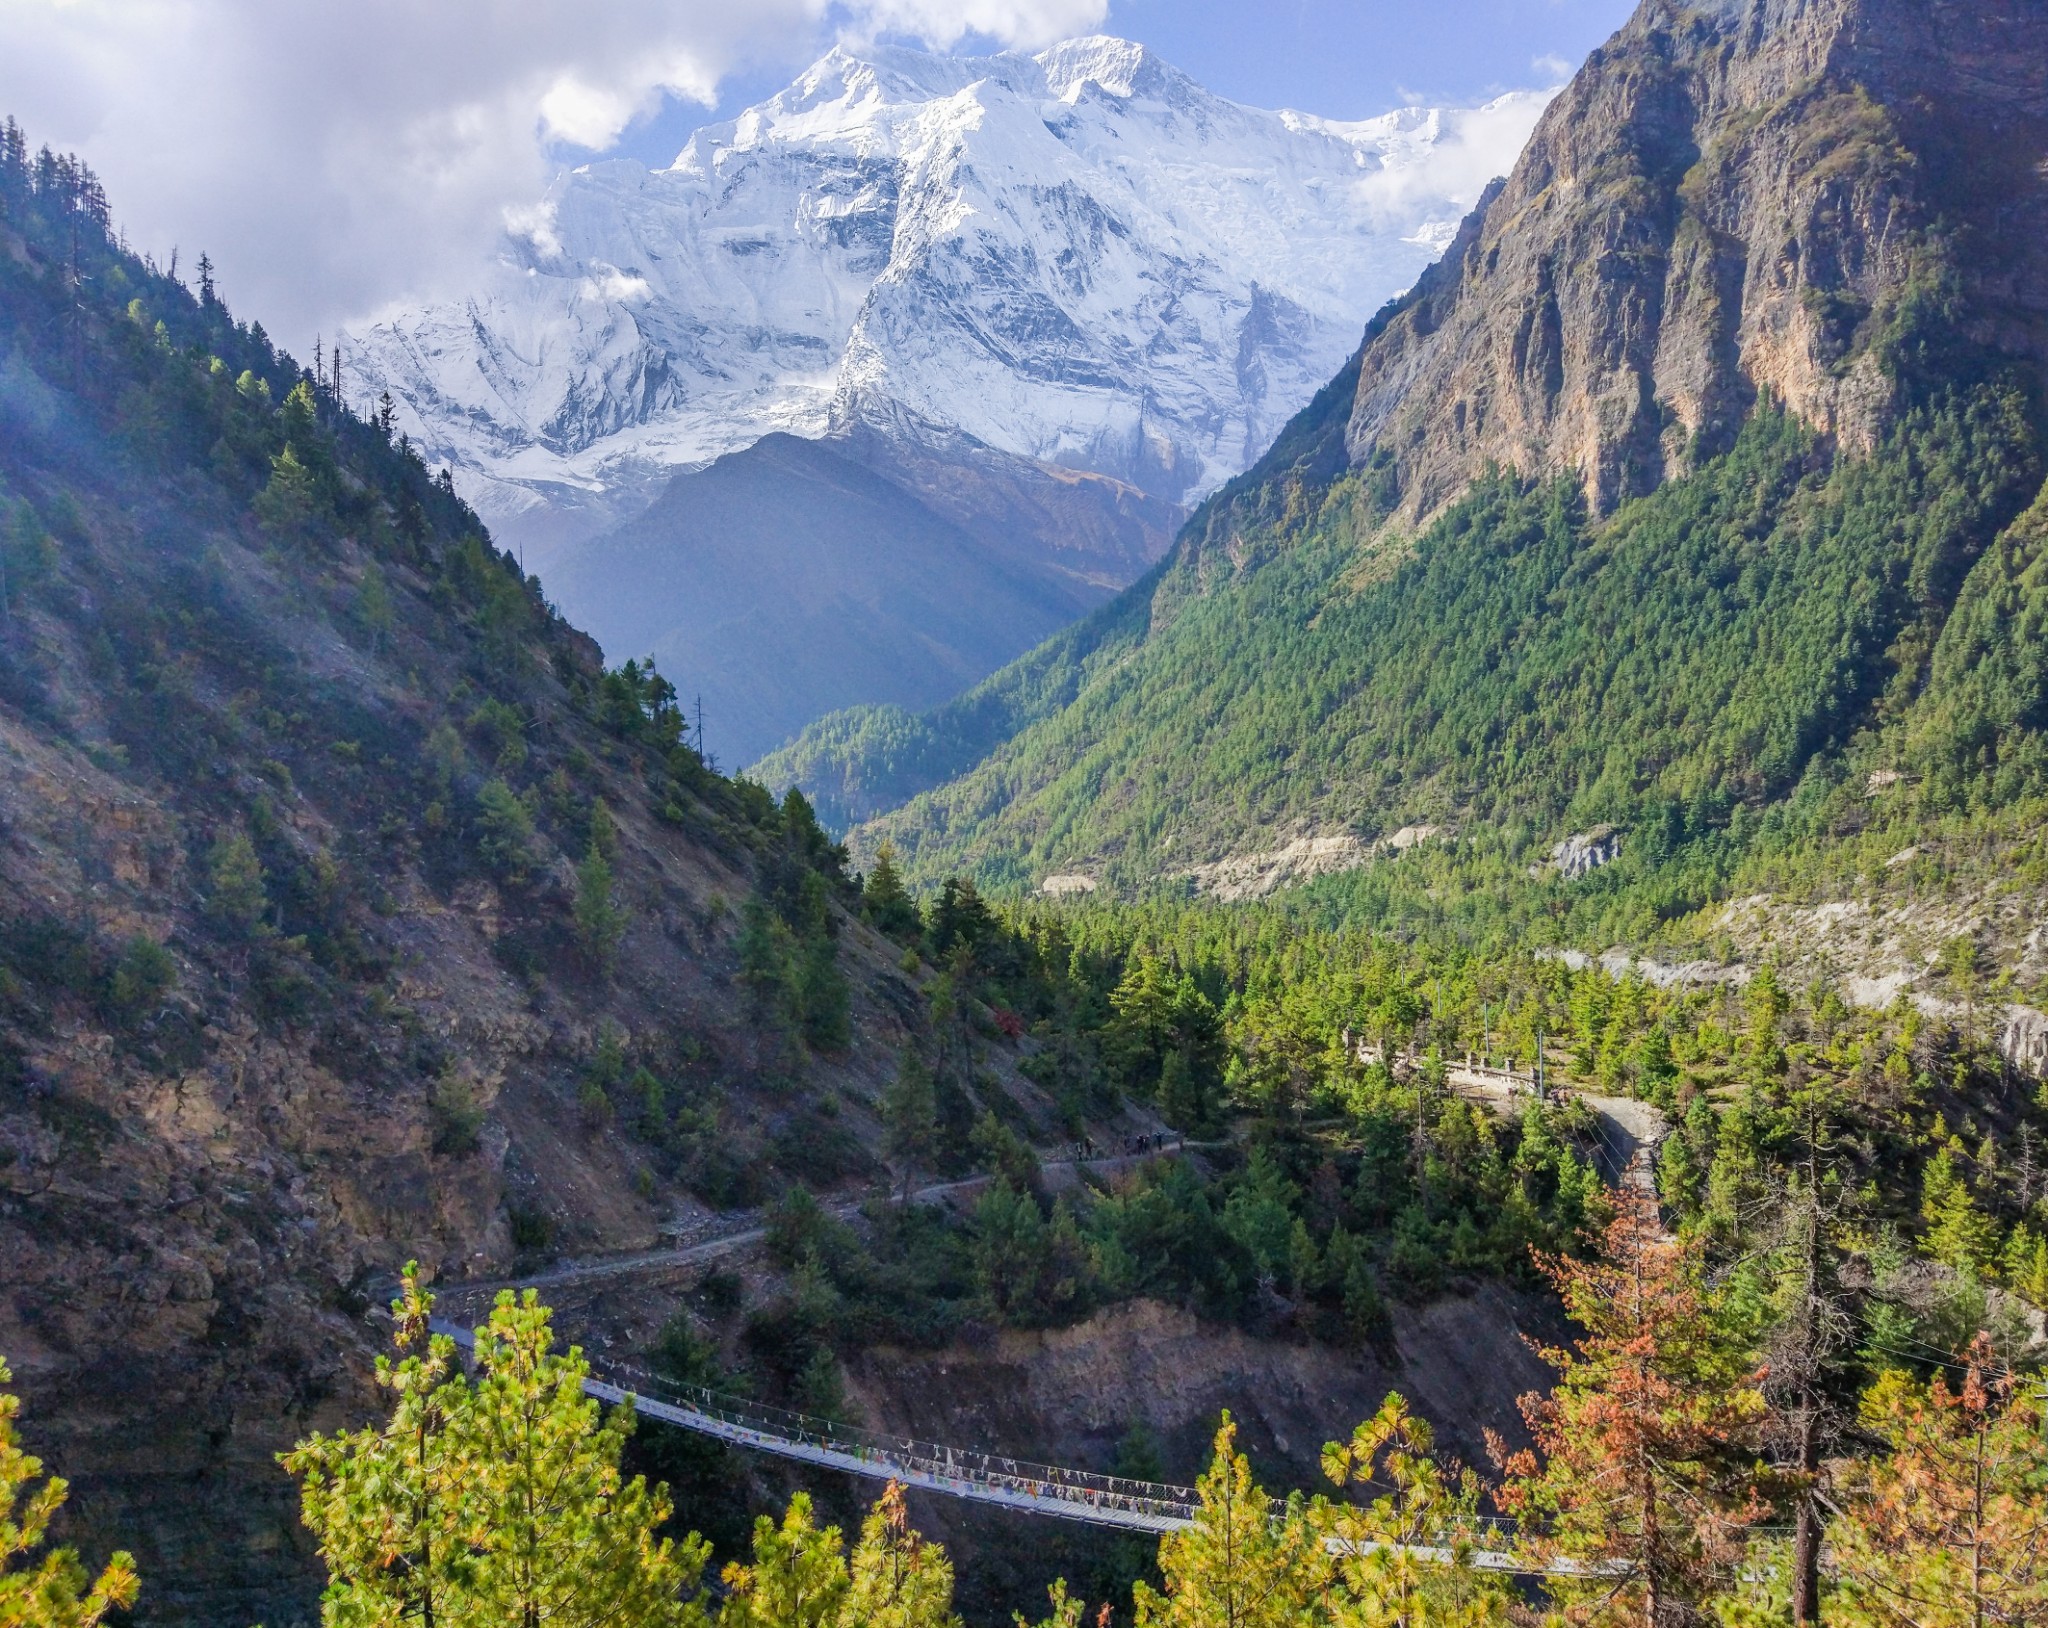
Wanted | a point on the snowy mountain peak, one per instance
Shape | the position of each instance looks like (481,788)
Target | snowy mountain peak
(1120,67)
(1081,257)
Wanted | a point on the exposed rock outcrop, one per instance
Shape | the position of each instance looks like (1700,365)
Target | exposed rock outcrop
(1584,852)
(1739,199)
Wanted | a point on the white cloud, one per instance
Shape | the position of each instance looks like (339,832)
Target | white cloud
(335,155)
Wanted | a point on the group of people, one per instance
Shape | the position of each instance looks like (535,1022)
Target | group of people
(1129,1146)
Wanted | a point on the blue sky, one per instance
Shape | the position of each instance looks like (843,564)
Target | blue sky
(1344,59)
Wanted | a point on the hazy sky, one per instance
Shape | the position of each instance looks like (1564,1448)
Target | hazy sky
(334,156)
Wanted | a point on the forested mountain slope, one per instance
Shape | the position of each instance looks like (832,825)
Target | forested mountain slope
(1688,491)
(349,912)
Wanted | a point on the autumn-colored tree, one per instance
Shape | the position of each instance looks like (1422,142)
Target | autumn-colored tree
(1404,1560)
(1242,1564)
(1644,1476)
(1950,1529)
(1067,1612)
(54,1590)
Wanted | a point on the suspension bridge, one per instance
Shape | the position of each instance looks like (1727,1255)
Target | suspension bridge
(976,1477)
(1486,1543)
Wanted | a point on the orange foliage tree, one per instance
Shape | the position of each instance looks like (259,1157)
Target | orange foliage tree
(1950,1530)
(1645,1474)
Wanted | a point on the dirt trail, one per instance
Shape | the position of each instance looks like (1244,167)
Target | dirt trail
(752,1232)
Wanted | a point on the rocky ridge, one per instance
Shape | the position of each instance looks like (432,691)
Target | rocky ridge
(1730,201)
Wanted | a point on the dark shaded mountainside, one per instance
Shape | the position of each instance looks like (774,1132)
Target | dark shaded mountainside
(1687,493)
(879,566)
(349,912)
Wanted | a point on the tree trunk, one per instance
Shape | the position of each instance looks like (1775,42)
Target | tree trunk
(1806,1533)
(1651,1590)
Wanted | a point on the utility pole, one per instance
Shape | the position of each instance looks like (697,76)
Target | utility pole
(702,750)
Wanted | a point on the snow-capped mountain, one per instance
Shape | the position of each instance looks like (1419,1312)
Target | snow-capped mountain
(1080,257)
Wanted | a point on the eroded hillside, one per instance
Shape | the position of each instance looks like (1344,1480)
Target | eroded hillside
(351,913)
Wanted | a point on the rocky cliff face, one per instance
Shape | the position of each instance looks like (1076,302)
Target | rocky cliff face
(1729,201)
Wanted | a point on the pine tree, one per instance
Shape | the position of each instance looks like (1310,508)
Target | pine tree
(910,1118)
(505,837)
(1238,1566)
(798,1578)
(2026,1265)
(1645,1471)
(1809,1350)
(385,1503)
(1405,1559)
(1950,1529)
(55,1590)
(1959,1233)
(600,918)
(285,506)
(823,995)
(235,894)
(373,610)
(885,902)
(766,952)
(567,1540)
(897,1579)
(492,1504)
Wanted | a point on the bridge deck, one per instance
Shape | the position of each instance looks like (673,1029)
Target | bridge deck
(1039,1489)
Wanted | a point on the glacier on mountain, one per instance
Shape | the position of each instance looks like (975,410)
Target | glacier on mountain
(1080,257)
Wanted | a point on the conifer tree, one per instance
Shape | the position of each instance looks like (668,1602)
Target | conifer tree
(1388,1574)
(1950,1529)
(1238,1566)
(373,609)
(286,503)
(567,1541)
(886,903)
(55,1590)
(798,1578)
(823,995)
(235,894)
(600,918)
(505,836)
(496,1503)
(385,1503)
(1645,1472)
(910,1118)
(1809,1348)
(897,1579)
(1959,1233)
